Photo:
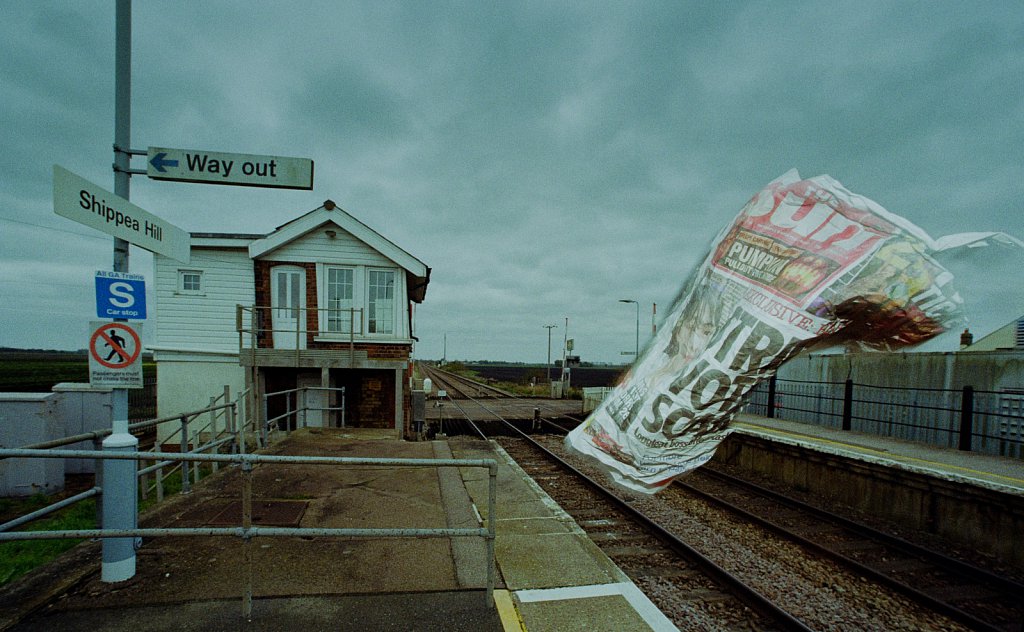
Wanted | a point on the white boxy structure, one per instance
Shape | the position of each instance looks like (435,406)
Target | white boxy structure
(322,301)
(32,418)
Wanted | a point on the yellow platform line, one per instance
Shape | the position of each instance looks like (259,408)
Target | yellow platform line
(881,453)
(510,619)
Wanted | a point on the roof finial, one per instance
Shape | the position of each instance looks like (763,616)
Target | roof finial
(329,205)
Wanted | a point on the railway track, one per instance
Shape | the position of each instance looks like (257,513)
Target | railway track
(865,570)
(694,592)
(975,597)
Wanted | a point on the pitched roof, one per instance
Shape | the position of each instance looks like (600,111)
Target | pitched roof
(418,272)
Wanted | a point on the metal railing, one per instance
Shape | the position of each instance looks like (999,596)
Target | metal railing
(256,329)
(247,531)
(990,422)
(231,435)
(291,415)
(200,439)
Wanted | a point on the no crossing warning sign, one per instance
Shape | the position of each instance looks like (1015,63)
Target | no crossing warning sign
(115,355)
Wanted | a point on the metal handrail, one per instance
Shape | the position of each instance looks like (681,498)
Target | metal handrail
(247,531)
(268,425)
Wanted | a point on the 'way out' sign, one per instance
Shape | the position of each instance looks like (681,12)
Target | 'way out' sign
(193,165)
(77,199)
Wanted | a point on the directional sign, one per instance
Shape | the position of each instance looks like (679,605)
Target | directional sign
(76,198)
(193,165)
(120,295)
(115,352)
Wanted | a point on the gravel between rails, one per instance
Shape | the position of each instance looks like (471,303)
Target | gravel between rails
(822,594)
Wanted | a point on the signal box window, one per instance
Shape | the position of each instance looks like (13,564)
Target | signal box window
(339,300)
(190,281)
(381,285)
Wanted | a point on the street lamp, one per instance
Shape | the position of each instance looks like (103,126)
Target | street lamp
(549,328)
(636,354)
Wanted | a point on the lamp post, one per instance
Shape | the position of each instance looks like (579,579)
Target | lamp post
(549,328)
(636,354)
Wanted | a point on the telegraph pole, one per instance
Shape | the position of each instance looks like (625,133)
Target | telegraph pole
(549,328)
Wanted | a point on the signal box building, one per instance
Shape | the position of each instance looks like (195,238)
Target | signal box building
(323,301)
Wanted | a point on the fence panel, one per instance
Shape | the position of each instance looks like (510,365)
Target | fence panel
(995,419)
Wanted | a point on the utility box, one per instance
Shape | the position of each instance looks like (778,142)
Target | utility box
(26,419)
(593,396)
(556,389)
(82,409)
(419,411)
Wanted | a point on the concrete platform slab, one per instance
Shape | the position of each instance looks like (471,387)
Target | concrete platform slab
(557,579)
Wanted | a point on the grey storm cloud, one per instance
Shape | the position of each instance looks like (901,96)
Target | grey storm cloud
(545,159)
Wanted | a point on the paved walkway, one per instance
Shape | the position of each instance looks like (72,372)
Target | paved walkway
(550,576)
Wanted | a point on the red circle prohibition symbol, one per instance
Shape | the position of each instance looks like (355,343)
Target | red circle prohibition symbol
(99,333)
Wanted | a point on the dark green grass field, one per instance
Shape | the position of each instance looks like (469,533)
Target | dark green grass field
(38,371)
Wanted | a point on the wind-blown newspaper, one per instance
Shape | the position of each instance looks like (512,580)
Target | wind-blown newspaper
(805,262)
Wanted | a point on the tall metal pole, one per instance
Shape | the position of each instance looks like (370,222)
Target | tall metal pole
(636,349)
(636,353)
(120,502)
(549,328)
(565,351)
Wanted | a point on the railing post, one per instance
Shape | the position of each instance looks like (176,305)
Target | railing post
(213,431)
(492,494)
(97,444)
(352,335)
(262,431)
(230,420)
(848,405)
(967,418)
(247,537)
(186,485)
(298,328)
(196,442)
(240,425)
(771,398)
(143,491)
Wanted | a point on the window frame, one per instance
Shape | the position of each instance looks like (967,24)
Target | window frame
(369,320)
(325,315)
(182,289)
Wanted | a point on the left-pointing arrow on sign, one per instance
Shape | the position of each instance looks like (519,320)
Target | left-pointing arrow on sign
(160,161)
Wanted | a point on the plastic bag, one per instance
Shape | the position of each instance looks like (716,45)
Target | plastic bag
(806,262)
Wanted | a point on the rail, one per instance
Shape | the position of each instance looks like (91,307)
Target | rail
(228,435)
(256,330)
(247,531)
(290,417)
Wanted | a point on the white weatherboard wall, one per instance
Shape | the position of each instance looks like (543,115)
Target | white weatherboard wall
(205,321)
(317,246)
(25,419)
(196,345)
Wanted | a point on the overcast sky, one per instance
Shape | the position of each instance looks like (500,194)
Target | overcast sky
(545,159)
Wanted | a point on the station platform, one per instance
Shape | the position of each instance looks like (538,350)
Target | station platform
(993,472)
(550,576)
(970,499)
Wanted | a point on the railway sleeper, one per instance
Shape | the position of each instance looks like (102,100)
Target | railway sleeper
(666,572)
(631,551)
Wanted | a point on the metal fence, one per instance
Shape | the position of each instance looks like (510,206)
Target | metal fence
(989,422)
(194,444)
(296,403)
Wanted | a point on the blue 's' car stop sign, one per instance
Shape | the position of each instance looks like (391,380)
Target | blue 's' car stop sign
(120,295)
